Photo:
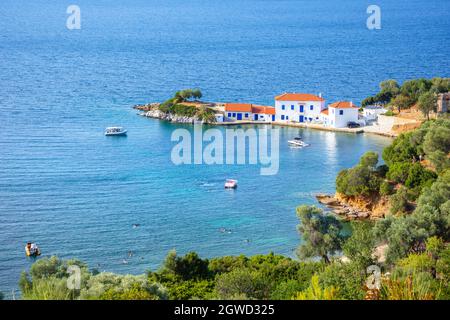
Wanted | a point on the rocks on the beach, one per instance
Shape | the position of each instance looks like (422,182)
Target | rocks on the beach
(341,208)
(341,211)
(156,113)
(327,200)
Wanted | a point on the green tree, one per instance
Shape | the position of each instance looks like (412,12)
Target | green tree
(399,202)
(427,103)
(405,148)
(436,144)
(135,292)
(348,277)
(359,180)
(386,189)
(321,233)
(440,85)
(369,159)
(401,102)
(390,86)
(191,266)
(197,94)
(242,284)
(408,234)
(415,88)
(419,177)
(399,171)
(359,247)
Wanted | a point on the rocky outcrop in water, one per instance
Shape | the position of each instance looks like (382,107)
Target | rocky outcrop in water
(353,208)
(155,113)
(151,110)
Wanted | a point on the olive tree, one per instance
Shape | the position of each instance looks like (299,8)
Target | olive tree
(321,233)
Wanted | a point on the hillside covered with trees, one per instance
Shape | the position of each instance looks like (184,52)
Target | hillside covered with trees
(420,92)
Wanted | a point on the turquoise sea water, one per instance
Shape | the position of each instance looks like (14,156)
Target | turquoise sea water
(77,193)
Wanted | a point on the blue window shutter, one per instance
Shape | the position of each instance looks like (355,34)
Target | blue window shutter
(341,112)
(282,117)
(311,107)
(292,107)
(229,114)
(287,117)
(282,107)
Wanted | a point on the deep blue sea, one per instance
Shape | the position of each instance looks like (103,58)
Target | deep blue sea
(77,193)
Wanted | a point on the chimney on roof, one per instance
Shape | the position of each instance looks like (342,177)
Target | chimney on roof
(320,94)
(351,103)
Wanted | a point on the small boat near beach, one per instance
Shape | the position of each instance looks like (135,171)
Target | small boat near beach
(297,142)
(230,184)
(115,131)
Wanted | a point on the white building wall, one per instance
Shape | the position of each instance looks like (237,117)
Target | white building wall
(262,117)
(372,114)
(338,120)
(292,110)
(237,115)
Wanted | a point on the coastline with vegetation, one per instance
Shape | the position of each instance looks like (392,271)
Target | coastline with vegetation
(410,242)
(406,107)
(183,107)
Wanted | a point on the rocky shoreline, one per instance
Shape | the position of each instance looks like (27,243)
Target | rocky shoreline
(347,209)
(151,111)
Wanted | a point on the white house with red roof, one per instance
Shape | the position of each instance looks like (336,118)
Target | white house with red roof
(339,114)
(248,112)
(298,107)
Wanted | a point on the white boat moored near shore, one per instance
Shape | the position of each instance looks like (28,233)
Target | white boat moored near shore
(297,142)
(115,131)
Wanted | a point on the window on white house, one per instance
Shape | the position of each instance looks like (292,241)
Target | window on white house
(341,112)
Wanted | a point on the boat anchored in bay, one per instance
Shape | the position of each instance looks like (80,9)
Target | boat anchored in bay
(297,142)
(115,131)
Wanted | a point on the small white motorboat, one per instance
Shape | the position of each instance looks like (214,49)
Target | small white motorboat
(297,142)
(230,184)
(115,131)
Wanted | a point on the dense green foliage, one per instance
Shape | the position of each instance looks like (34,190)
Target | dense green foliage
(49,277)
(321,233)
(421,91)
(175,106)
(427,103)
(363,179)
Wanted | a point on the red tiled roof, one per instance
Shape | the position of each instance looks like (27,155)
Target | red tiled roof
(343,105)
(248,107)
(239,107)
(325,111)
(298,97)
(263,109)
